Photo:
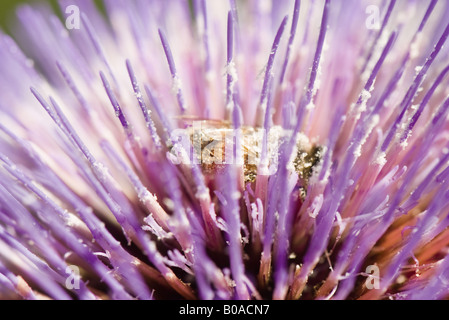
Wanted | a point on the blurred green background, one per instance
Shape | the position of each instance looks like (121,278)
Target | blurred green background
(8,7)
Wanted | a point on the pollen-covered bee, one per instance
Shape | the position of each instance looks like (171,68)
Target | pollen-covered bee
(214,144)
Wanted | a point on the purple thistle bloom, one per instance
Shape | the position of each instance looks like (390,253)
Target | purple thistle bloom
(225,150)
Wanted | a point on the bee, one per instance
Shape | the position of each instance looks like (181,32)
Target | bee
(213,144)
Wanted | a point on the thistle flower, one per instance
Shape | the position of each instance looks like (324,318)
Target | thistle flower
(225,150)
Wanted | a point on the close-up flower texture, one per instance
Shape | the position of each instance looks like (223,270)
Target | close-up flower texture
(225,149)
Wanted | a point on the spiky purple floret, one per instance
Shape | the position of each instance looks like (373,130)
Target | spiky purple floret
(89,180)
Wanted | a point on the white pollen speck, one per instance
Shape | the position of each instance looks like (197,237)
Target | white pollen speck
(316,206)
(358,151)
(176,84)
(381,159)
(169,203)
(310,106)
(366,95)
(404,143)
